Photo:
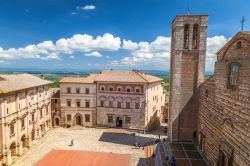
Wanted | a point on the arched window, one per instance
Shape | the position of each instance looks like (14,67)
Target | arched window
(111,88)
(102,88)
(232,77)
(186,36)
(195,36)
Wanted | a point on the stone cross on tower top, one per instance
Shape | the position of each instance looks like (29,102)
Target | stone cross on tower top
(242,23)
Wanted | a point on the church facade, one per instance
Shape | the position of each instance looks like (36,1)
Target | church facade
(224,106)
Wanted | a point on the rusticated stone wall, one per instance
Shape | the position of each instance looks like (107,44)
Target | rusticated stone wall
(224,113)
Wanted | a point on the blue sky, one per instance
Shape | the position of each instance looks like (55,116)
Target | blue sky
(49,34)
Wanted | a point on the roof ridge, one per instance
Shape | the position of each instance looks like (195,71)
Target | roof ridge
(137,72)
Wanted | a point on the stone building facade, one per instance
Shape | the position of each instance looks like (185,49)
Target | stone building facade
(55,107)
(224,106)
(78,101)
(25,113)
(188,54)
(127,99)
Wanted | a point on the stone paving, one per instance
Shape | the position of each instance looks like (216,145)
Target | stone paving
(87,139)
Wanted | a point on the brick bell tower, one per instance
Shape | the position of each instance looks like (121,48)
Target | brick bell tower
(188,54)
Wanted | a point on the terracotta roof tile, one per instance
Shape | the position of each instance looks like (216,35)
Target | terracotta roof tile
(14,82)
(133,76)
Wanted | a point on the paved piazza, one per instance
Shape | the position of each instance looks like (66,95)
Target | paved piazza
(87,139)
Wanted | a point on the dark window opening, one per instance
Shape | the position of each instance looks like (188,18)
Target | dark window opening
(233,76)
(102,103)
(68,90)
(87,90)
(87,104)
(186,36)
(195,36)
(77,90)
(78,104)
(119,104)
(239,45)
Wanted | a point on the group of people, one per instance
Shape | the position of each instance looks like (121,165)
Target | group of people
(138,145)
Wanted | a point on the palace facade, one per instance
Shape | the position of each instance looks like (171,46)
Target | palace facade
(126,99)
(25,113)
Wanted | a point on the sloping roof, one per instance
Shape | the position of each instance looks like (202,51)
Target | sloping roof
(55,92)
(14,82)
(89,79)
(133,76)
(245,35)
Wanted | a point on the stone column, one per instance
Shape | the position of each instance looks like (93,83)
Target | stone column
(7,157)
(19,149)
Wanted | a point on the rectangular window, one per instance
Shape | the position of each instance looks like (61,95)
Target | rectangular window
(102,103)
(110,118)
(69,103)
(110,104)
(137,105)
(12,129)
(68,117)
(33,117)
(128,120)
(23,123)
(68,90)
(87,90)
(55,100)
(41,113)
(102,88)
(77,90)
(87,104)
(87,118)
(119,89)
(119,104)
(137,90)
(128,105)
(78,104)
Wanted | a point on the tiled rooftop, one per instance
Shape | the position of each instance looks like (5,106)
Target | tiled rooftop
(14,82)
(133,76)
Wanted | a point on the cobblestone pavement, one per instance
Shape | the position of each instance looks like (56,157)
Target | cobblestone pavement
(87,139)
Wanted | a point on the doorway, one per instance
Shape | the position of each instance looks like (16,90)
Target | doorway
(118,122)
(57,121)
(13,149)
(78,120)
(33,135)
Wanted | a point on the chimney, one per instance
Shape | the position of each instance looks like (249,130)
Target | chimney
(42,76)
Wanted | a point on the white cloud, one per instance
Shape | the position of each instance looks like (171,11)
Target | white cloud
(77,43)
(95,54)
(213,45)
(89,7)
(129,45)
(2,61)
(143,53)
(157,53)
